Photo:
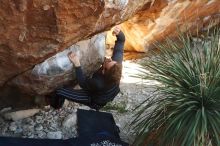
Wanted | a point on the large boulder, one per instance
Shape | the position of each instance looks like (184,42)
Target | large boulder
(33,30)
(159,20)
(58,70)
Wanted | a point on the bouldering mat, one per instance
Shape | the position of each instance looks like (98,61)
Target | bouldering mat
(94,129)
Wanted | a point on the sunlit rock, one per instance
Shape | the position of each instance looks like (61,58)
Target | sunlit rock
(161,19)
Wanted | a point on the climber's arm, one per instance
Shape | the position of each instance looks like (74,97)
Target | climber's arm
(87,84)
(78,70)
(119,45)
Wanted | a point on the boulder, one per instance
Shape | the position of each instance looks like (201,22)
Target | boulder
(32,31)
(57,70)
(161,19)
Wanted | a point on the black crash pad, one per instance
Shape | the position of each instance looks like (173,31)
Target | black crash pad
(12,141)
(94,129)
(92,123)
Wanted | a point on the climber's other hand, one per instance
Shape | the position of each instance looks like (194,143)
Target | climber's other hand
(74,59)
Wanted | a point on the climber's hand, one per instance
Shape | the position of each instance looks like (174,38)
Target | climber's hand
(116,30)
(74,59)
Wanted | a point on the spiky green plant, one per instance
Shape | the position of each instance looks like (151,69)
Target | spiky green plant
(185,109)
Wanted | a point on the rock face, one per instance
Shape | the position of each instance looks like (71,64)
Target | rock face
(159,20)
(58,70)
(33,30)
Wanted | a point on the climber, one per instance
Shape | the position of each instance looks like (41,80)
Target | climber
(102,87)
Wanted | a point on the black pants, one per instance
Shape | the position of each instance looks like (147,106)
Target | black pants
(79,96)
(83,97)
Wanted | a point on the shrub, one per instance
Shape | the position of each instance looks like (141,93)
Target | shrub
(185,109)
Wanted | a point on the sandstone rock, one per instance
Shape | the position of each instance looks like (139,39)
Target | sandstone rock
(161,19)
(58,70)
(18,115)
(31,31)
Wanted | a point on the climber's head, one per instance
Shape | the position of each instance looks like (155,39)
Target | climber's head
(107,64)
(112,71)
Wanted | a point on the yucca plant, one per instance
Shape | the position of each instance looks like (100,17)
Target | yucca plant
(185,109)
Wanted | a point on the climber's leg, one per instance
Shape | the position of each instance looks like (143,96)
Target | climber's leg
(79,96)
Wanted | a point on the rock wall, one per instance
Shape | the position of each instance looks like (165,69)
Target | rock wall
(33,30)
(159,20)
